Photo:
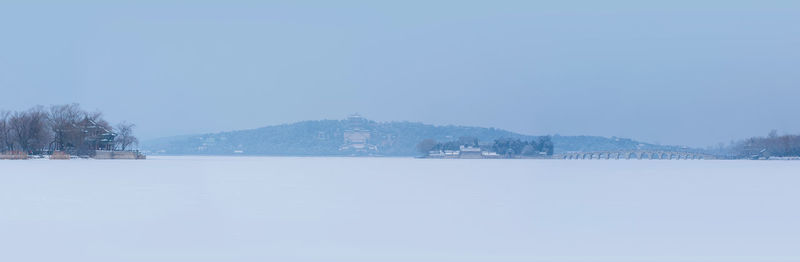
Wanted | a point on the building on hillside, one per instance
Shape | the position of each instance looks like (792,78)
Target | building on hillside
(356,140)
(356,120)
(357,136)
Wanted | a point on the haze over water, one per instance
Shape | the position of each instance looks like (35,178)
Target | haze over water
(676,72)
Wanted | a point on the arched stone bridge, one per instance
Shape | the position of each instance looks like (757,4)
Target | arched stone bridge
(667,155)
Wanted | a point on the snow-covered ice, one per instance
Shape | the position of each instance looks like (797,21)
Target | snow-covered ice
(398,209)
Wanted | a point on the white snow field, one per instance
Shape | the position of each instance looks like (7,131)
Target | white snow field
(399,209)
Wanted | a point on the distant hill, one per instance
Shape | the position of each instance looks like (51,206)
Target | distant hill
(342,138)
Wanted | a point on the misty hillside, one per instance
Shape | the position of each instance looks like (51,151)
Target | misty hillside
(332,137)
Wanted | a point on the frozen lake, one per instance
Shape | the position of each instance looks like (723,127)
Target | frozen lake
(394,209)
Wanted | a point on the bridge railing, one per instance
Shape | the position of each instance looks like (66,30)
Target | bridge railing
(650,155)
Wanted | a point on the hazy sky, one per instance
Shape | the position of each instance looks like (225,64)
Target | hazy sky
(675,72)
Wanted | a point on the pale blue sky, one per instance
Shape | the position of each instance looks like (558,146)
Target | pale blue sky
(675,72)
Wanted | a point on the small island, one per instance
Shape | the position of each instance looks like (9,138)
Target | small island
(63,132)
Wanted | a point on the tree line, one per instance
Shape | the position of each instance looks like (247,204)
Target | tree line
(515,147)
(771,145)
(66,128)
(504,146)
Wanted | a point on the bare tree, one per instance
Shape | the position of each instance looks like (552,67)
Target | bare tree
(772,145)
(773,133)
(29,129)
(125,136)
(64,120)
(6,141)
